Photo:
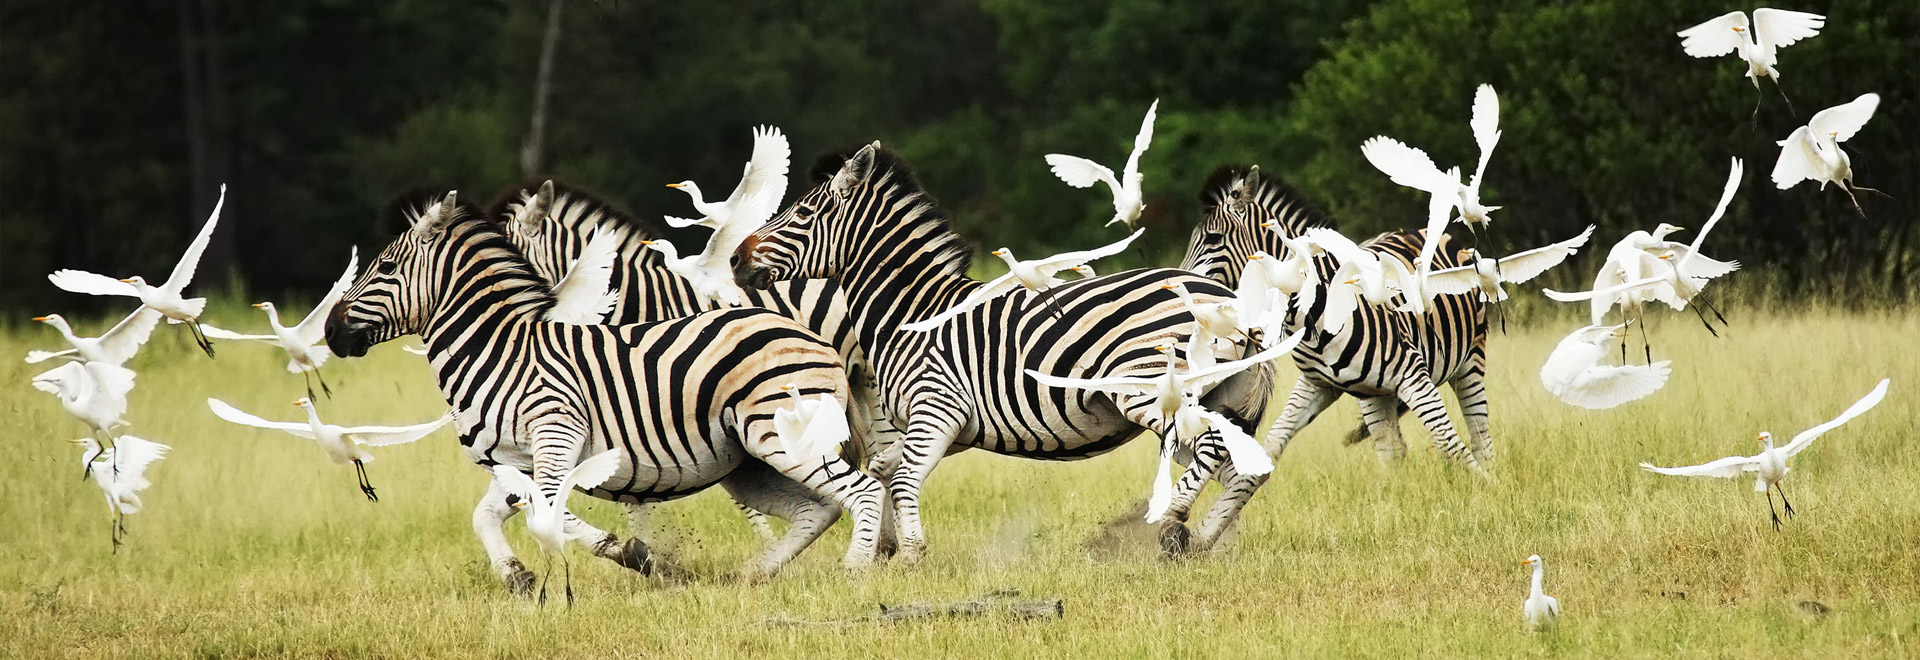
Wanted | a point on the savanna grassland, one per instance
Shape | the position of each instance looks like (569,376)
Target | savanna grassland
(252,545)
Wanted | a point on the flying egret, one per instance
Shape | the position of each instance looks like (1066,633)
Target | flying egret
(1412,168)
(93,392)
(1260,301)
(546,518)
(305,342)
(584,295)
(1757,42)
(114,347)
(1036,275)
(709,282)
(1128,200)
(341,443)
(1813,151)
(1540,609)
(165,298)
(1575,373)
(1769,467)
(811,427)
(764,177)
(1294,273)
(121,473)
(1363,275)
(1488,274)
(1220,319)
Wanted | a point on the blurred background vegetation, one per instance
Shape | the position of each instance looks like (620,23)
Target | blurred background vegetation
(119,120)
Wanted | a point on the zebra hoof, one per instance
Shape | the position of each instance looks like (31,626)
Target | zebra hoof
(518,579)
(636,557)
(1175,540)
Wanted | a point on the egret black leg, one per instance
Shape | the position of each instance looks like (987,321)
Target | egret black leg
(1712,308)
(1783,97)
(200,338)
(1703,320)
(366,484)
(1783,499)
(566,567)
(309,379)
(1771,512)
(548,572)
(1758,96)
(323,385)
(1646,345)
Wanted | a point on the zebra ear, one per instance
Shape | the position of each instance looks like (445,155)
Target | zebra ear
(438,216)
(535,212)
(855,171)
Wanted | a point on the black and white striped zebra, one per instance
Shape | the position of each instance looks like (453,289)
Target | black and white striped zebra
(688,402)
(1390,361)
(870,225)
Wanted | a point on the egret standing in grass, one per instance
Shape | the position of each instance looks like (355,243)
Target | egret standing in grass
(546,518)
(1128,198)
(1769,467)
(1540,609)
(304,343)
(343,444)
(121,473)
(1813,151)
(165,298)
(114,347)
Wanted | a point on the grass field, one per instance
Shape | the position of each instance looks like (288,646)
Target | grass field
(252,545)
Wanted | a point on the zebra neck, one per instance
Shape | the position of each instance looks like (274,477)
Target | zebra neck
(891,288)
(488,302)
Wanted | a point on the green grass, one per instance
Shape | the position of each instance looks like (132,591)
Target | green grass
(253,545)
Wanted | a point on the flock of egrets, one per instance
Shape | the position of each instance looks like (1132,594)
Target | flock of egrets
(1640,269)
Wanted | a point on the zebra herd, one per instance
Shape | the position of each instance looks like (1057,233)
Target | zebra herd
(685,392)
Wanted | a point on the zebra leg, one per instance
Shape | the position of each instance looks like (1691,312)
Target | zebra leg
(489,523)
(756,519)
(1470,390)
(1208,455)
(1420,394)
(830,477)
(808,515)
(1305,403)
(928,437)
(1383,423)
(640,520)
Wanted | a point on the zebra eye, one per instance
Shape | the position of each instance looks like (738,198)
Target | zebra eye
(803,211)
(386,267)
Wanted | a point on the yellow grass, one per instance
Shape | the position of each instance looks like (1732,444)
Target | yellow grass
(253,546)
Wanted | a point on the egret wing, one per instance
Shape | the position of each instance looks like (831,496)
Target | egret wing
(766,171)
(1774,29)
(1070,259)
(514,481)
(1407,166)
(382,436)
(1603,387)
(80,281)
(583,295)
(1523,266)
(1453,281)
(1725,468)
(126,337)
(1080,172)
(1726,195)
(1842,121)
(1621,288)
(313,328)
(1207,376)
(827,431)
(1715,37)
(999,286)
(592,472)
(1141,141)
(116,381)
(1246,453)
(132,456)
(37,357)
(1797,160)
(243,418)
(683,223)
(1342,248)
(1866,403)
(190,260)
(1113,384)
(215,332)
(1486,126)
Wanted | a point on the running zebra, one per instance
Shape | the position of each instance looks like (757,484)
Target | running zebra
(870,225)
(552,227)
(688,402)
(1388,360)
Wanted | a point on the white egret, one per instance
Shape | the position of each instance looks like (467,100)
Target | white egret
(1813,151)
(121,473)
(1576,374)
(1769,467)
(1412,168)
(1363,275)
(305,342)
(1294,273)
(93,392)
(1756,42)
(1189,423)
(711,283)
(1540,609)
(764,177)
(1488,274)
(1036,275)
(343,444)
(584,295)
(1259,301)
(114,347)
(1219,319)
(811,427)
(166,298)
(1128,199)
(546,516)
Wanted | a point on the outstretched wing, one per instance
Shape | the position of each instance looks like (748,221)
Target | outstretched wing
(1583,295)
(1245,452)
(313,328)
(583,295)
(215,332)
(382,436)
(1715,37)
(683,223)
(1866,403)
(766,171)
(190,260)
(514,481)
(1080,172)
(1524,266)
(1603,387)
(999,286)
(1111,384)
(1453,281)
(590,473)
(80,281)
(1842,121)
(1797,160)
(1407,166)
(1141,141)
(1066,260)
(126,337)
(1207,376)
(132,456)
(1725,468)
(1774,29)
(1726,196)
(1486,126)
(237,416)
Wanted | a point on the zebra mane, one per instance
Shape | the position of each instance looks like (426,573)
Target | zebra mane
(1268,190)
(893,176)
(512,272)
(576,209)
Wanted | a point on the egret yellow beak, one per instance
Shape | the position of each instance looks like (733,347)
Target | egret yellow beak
(42,319)
(1737,28)
(1253,257)
(128,280)
(675,185)
(646,242)
(259,305)
(1267,225)
(300,401)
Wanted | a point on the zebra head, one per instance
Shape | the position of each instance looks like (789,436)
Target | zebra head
(1243,211)
(865,211)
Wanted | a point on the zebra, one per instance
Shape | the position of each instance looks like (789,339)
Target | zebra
(552,226)
(1388,360)
(689,402)
(869,224)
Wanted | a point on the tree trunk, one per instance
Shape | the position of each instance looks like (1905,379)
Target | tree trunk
(533,150)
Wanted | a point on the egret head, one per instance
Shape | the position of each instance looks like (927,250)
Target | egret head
(54,320)
(1257,255)
(1600,335)
(688,187)
(1532,560)
(304,402)
(516,501)
(89,443)
(1766,439)
(137,281)
(1084,270)
(267,306)
(1661,232)
(1003,253)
